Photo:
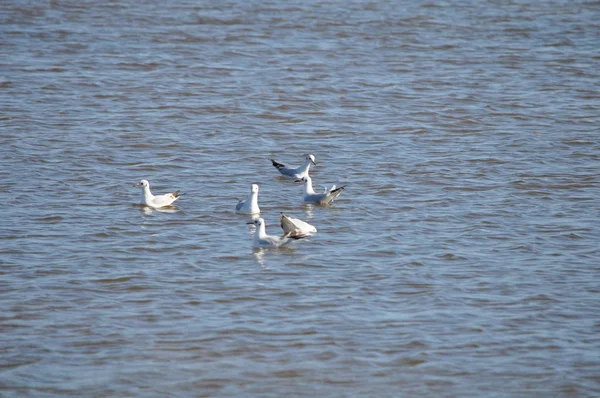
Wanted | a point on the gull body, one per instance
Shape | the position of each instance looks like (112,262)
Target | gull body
(298,172)
(158,201)
(250,205)
(261,239)
(310,196)
(296,226)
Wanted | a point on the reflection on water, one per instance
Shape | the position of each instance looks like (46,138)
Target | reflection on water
(259,256)
(309,210)
(147,210)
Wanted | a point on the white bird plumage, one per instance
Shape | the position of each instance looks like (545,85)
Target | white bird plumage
(296,226)
(310,196)
(298,172)
(250,205)
(158,201)
(261,239)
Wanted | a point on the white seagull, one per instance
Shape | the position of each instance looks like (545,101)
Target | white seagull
(310,196)
(296,226)
(156,202)
(250,205)
(298,172)
(261,239)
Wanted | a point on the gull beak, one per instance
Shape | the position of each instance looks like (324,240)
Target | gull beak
(313,162)
(136,185)
(250,223)
(298,181)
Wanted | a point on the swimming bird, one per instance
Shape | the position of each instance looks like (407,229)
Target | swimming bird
(296,226)
(250,205)
(310,196)
(156,201)
(261,239)
(298,172)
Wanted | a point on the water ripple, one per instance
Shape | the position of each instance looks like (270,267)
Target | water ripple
(461,259)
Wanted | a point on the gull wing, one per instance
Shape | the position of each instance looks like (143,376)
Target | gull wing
(277,164)
(296,227)
(240,204)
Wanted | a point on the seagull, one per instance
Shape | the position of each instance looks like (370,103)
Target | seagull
(250,205)
(156,201)
(296,226)
(261,239)
(298,172)
(310,196)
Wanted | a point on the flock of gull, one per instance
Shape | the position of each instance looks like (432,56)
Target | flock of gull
(293,228)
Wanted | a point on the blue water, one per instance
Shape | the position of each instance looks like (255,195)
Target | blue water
(461,260)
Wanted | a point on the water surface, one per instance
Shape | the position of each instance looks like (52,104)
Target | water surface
(462,259)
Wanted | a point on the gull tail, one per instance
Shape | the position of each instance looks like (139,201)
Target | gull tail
(338,190)
(331,196)
(277,164)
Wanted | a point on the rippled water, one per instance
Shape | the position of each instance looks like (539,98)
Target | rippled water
(462,259)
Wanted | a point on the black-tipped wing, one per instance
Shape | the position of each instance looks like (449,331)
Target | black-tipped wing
(277,164)
(338,190)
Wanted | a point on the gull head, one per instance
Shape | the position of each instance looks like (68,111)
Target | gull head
(254,188)
(311,158)
(257,221)
(143,184)
(303,180)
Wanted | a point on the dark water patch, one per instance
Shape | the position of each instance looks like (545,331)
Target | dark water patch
(115,280)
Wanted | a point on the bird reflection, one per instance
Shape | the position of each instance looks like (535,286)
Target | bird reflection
(309,209)
(147,210)
(259,255)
